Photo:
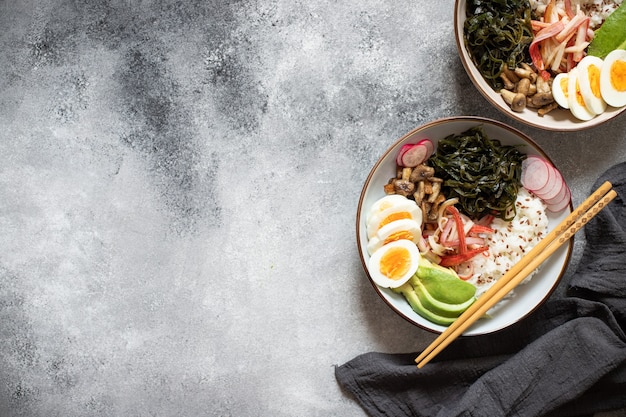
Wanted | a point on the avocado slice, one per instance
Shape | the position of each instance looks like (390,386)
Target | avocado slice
(436,306)
(409,293)
(443,284)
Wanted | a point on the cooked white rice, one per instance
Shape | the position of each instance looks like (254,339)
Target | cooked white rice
(597,10)
(510,241)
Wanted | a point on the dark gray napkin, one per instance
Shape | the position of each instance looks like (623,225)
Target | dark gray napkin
(568,358)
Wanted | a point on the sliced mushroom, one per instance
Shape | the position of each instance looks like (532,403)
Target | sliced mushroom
(403,187)
(517,101)
(436,190)
(422,172)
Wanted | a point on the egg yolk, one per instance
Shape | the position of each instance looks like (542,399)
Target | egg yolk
(594,80)
(579,96)
(404,234)
(618,75)
(395,263)
(395,216)
(563,84)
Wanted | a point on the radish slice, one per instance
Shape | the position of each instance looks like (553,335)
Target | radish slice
(555,186)
(402,151)
(415,155)
(555,208)
(536,174)
(545,181)
(557,198)
(429,145)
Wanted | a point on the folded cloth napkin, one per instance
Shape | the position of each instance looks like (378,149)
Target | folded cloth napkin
(568,358)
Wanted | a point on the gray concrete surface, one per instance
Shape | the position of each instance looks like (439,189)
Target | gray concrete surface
(178,189)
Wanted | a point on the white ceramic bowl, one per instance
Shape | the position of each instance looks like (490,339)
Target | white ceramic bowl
(557,120)
(527,296)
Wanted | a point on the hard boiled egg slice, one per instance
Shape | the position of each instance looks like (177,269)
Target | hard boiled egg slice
(613,78)
(559,89)
(575,99)
(394,264)
(405,210)
(407,229)
(589,69)
(384,203)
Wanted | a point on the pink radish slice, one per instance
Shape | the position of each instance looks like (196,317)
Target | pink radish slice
(556,185)
(555,208)
(558,197)
(401,152)
(536,174)
(429,145)
(530,178)
(415,155)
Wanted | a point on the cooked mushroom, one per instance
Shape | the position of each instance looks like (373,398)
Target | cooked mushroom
(508,84)
(523,86)
(510,74)
(436,190)
(547,108)
(541,99)
(403,187)
(517,101)
(422,172)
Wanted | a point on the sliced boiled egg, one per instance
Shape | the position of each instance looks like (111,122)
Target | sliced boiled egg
(408,209)
(575,99)
(384,203)
(394,264)
(559,89)
(407,229)
(613,78)
(589,69)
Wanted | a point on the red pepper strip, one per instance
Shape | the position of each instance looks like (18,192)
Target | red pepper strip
(454,260)
(460,230)
(477,228)
(540,36)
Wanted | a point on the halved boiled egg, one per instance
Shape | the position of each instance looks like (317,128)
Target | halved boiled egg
(589,69)
(408,209)
(407,229)
(559,89)
(394,264)
(384,203)
(575,99)
(613,78)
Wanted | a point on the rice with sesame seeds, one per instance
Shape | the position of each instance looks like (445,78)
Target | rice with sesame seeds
(597,10)
(510,241)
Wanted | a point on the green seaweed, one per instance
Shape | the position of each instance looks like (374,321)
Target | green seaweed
(481,172)
(497,34)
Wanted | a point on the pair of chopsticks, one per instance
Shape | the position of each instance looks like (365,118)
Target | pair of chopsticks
(535,257)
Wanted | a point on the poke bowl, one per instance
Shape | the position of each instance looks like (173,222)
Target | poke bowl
(375,225)
(583,63)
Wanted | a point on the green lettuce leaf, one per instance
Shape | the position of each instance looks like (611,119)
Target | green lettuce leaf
(611,35)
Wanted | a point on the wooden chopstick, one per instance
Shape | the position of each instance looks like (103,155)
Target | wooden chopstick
(546,247)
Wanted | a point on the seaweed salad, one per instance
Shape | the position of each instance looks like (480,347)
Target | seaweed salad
(497,33)
(482,173)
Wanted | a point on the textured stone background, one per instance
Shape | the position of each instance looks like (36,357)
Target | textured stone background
(178,189)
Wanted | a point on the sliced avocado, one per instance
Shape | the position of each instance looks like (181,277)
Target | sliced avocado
(411,296)
(436,306)
(443,284)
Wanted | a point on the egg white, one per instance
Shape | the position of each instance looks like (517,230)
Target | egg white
(384,203)
(559,89)
(614,67)
(574,98)
(589,70)
(411,258)
(408,208)
(399,229)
